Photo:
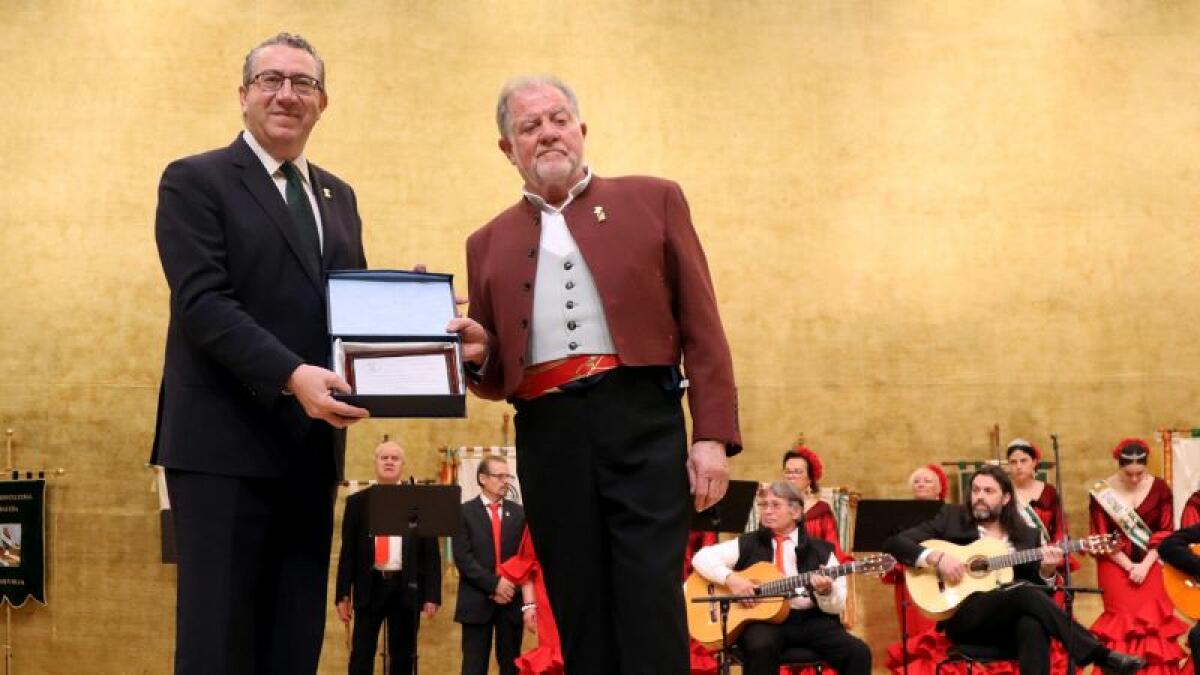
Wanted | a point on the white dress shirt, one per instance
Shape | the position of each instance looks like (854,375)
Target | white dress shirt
(273,165)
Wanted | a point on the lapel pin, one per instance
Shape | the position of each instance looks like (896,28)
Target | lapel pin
(327,193)
(599,211)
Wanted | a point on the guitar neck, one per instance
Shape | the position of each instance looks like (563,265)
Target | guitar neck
(790,583)
(1029,555)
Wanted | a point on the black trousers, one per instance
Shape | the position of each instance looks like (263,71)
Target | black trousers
(253,571)
(387,602)
(1023,616)
(1193,638)
(762,643)
(477,643)
(607,504)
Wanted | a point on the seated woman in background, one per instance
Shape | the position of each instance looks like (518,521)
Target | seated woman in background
(1041,509)
(802,468)
(1191,511)
(1138,618)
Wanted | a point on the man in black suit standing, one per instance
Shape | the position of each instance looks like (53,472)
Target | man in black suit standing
(487,602)
(251,439)
(385,578)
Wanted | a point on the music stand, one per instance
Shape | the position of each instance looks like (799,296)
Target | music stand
(413,511)
(878,519)
(731,513)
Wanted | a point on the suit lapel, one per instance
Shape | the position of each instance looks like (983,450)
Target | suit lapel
(262,187)
(333,238)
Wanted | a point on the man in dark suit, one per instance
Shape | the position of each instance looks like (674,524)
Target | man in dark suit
(488,603)
(586,295)
(249,434)
(1019,617)
(385,578)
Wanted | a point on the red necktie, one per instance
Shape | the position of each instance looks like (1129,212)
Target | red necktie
(781,542)
(495,507)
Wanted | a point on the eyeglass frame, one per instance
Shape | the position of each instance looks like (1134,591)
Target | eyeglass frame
(317,85)
(503,476)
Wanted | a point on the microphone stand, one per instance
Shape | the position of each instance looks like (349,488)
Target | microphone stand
(724,601)
(1068,590)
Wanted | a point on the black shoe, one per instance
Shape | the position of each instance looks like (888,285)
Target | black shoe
(1121,664)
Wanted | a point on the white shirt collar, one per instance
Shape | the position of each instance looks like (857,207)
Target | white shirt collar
(579,187)
(487,502)
(270,163)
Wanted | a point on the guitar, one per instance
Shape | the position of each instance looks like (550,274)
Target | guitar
(704,618)
(1182,588)
(989,565)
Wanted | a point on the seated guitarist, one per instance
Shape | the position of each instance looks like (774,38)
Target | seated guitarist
(1176,551)
(1021,615)
(813,621)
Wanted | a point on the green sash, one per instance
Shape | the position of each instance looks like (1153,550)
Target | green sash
(1122,514)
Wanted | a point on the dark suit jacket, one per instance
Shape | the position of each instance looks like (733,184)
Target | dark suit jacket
(421,568)
(246,309)
(475,557)
(1176,550)
(953,524)
(653,279)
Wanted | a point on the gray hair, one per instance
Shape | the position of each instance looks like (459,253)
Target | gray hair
(525,82)
(785,490)
(288,40)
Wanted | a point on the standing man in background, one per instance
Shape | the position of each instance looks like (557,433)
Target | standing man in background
(252,442)
(385,577)
(584,297)
(488,604)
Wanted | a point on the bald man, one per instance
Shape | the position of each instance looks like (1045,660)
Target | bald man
(385,578)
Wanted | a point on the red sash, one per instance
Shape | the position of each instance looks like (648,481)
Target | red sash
(546,378)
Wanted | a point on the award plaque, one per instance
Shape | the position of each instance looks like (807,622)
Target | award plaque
(389,342)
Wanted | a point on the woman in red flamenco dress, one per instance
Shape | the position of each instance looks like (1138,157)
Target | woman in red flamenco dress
(523,570)
(702,661)
(1041,509)
(1138,618)
(803,468)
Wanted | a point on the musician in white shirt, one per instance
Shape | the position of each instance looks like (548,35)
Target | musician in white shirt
(813,621)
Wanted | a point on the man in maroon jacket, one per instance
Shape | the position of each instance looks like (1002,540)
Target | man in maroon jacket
(585,297)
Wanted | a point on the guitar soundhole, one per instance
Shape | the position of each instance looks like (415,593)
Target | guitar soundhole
(977,566)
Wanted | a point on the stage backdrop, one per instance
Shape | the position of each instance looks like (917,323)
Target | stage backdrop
(922,219)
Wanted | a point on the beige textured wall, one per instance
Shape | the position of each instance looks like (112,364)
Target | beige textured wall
(923,218)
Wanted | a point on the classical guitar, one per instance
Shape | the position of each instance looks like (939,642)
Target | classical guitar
(704,618)
(1182,588)
(989,565)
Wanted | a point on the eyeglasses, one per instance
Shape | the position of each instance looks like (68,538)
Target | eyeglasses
(272,80)
(502,476)
(794,472)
